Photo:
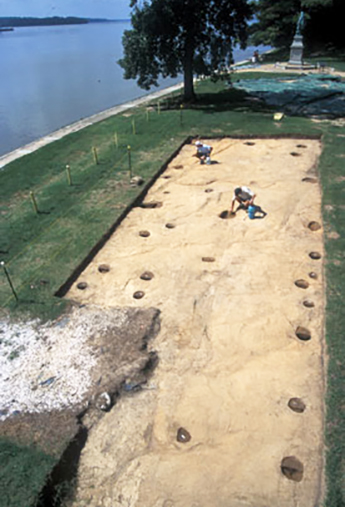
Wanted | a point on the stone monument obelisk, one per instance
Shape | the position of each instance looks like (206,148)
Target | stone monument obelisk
(296,50)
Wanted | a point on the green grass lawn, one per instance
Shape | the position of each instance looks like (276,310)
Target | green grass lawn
(23,471)
(328,61)
(42,250)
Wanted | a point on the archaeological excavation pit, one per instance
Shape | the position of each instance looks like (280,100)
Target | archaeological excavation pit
(147,275)
(82,285)
(151,205)
(315,256)
(307,179)
(236,390)
(292,468)
(308,303)
(226,214)
(104,268)
(144,234)
(314,226)
(139,294)
(183,436)
(208,259)
(303,333)
(301,284)
(297,405)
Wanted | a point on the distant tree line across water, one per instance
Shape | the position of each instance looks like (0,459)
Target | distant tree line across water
(56,20)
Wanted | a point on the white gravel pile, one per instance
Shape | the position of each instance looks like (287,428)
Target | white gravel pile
(48,367)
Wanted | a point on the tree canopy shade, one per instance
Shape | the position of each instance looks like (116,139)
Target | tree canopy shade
(170,37)
(276,22)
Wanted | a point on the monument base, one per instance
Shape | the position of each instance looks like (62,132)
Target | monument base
(296,51)
(296,56)
(299,66)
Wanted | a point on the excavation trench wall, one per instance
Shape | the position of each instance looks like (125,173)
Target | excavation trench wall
(233,414)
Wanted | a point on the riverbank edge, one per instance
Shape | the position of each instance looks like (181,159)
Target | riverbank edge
(85,122)
(7,158)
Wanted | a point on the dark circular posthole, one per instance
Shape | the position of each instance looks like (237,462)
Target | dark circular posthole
(292,468)
(295,154)
(208,190)
(170,226)
(315,256)
(308,303)
(139,294)
(314,226)
(302,284)
(178,166)
(249,143)
(309,180)
(103,268)
(313,275)
(147,275)
(301,146)
(303,333)
(167,176)
(82,285)
(183,436)
(226,214)
(297,405)
(208,259)
(166,192)
(144,234)
(151,205)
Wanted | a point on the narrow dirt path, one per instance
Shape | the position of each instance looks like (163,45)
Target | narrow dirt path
(215,425)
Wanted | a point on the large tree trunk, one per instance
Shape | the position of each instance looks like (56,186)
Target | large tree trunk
(188,95)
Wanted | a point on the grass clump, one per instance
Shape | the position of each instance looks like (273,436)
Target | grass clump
(23,471)
(333,184)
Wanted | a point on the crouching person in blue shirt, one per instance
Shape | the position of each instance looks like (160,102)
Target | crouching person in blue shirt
(203,152)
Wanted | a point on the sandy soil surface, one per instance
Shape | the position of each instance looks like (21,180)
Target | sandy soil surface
(216,426)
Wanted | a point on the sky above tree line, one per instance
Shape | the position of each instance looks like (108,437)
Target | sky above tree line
(111,9)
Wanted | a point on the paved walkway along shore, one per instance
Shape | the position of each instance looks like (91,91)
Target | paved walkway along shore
(86,122)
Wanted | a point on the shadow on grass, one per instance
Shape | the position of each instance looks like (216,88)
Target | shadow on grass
(62,482)
(229,99)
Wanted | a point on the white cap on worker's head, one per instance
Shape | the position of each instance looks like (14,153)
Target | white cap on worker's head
(198,143)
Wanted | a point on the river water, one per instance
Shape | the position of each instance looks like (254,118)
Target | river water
(54,76)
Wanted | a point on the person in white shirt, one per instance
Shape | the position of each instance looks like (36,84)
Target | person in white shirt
(244,196)
(203,152)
